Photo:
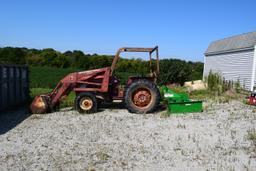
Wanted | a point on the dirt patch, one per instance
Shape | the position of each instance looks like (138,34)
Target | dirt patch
(216,139)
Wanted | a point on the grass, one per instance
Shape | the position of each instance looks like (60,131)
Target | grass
(224,97)
(48,77)
(67,102)
(38,91)
(207,94)
(200,94)
(252,136)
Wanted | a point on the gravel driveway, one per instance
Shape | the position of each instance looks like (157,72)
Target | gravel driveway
(114,139)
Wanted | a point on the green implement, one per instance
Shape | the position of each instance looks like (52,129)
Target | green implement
(180,102)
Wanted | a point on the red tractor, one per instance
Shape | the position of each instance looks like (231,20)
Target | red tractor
(140,94)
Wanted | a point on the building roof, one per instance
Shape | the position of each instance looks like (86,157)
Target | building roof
(244,41)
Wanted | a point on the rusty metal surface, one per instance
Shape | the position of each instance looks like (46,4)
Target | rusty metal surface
(39,105)
(142,98)
(129,49)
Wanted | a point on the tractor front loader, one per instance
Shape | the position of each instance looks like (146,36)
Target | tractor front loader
(91,87)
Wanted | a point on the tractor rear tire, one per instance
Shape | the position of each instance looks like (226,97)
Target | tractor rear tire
(142,96)
(86,102)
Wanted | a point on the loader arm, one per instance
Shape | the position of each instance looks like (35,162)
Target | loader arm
(91,81)
(46,102)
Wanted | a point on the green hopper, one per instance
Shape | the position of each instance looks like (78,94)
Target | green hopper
(180,102)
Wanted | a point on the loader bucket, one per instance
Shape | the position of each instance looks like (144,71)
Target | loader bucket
(40,105)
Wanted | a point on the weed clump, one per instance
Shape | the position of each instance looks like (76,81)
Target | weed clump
(252,136)
(218,84)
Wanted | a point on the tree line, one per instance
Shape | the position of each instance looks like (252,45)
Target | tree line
(171,70)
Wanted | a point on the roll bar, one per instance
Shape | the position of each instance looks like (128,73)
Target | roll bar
(131,49)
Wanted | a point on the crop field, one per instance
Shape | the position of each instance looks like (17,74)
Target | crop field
(48,77)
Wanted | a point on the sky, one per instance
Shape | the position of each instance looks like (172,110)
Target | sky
(181,28)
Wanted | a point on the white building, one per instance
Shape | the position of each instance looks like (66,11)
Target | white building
(234,58)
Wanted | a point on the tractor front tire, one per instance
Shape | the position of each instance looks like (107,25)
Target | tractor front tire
(142,96)
(86,103)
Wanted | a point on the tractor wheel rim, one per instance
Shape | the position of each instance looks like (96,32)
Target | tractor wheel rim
(142,98)
(86,103)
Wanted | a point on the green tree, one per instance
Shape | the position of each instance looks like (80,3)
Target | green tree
(173,71)
(61,61)
(11,55)
(48,56)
